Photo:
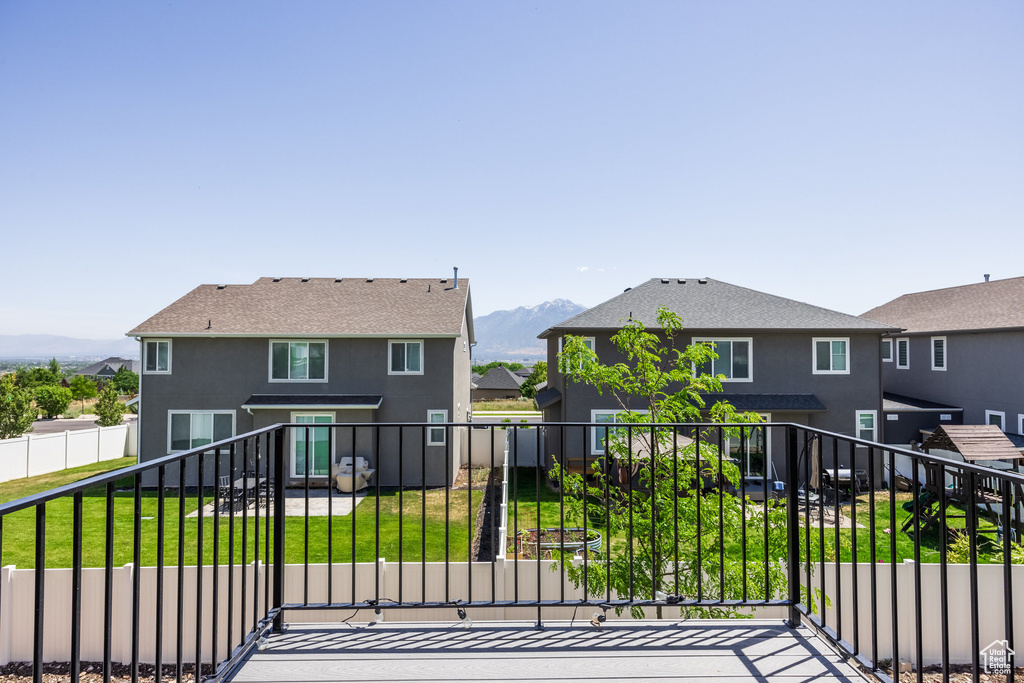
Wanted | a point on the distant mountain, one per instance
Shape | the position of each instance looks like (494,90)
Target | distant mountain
(512,335)
(50,345)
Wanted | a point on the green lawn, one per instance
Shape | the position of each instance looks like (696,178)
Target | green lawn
(417,530)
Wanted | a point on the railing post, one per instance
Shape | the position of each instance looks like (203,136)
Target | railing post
(792,526)
(278,527)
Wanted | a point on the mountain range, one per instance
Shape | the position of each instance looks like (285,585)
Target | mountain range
(54,346)
(512,335)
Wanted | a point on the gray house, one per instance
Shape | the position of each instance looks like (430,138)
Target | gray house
(786,360)
(227,359)
(106,369)
(960,356)
(499,383)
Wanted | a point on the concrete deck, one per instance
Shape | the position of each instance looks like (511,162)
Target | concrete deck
(516,652)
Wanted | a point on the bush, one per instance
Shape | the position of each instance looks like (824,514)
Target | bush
(109,408)
(16,411)
(53,400)
(126,381)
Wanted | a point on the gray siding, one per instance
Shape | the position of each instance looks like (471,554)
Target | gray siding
(983,372)
(781,364)
(221,373)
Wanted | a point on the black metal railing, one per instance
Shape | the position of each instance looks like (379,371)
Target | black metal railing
(658,520)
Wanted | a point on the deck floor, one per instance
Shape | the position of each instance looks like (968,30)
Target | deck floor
(516,652)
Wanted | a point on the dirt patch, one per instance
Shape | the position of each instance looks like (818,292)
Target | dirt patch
(484,541)
(92,672)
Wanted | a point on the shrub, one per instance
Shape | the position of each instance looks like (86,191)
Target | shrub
(126,381)
(53,400)
(109,408)
(16,411)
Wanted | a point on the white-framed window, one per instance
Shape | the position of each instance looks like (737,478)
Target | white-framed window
(997,418)
(831,356)
(157,359)
(597,433)
(887,350)
(312,445)
(298,361)
(752,450)
(735,358)
(188,429)
(867,425)
(436,435)
(938,353)
(405,357)
(903,354)
(1020,424)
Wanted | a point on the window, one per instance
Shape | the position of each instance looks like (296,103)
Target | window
(436,435)
(831,356)
(997,418)
(751,450)
(902,354)
(1020,424)
(158,357)
(405,358)
(938,353)
(734,359)
(298,361)
(887,350)
(311,445)
(866,425)
(597,434)
(193,429)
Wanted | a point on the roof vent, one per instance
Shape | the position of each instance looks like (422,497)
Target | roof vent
(404,279)
(626,289)
(221,286)
(456,277)
(664,280)
(369,279)
(986,277)
(444,282)
(305,279)
(277,279)
(337,279)
(702,281)
(681,281)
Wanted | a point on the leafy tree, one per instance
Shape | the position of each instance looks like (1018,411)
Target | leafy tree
(53,400)
(109,408)
(539,374)
(126,381)
(16,411)
(32,378)
(482,369)
(82,388)
(669,517)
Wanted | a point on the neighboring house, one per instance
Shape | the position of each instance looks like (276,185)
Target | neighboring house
(787,360)
(106,369)
(961,351)
(524,372)
(227,359)
(498,383)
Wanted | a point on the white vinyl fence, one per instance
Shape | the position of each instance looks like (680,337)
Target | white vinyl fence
(29,455)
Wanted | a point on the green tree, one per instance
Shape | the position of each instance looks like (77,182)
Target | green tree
(32,378)
(126,381)
(539,374)
(53,400)
(16,411)
(109,408)
(671,538)
(82,388)
(482,369)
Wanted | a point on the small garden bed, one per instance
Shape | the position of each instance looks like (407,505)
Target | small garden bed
(531,542)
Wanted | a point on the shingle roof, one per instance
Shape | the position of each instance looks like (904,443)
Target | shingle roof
(113,363)
(314,401)
(899,403)
(710,304)
(499,377)
(318,306)
(981,306)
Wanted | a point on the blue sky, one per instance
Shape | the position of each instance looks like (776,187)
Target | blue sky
(835,153)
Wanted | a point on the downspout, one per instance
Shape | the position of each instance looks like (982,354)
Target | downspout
(138,419)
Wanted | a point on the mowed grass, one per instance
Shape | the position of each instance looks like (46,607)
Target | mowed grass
(505,406)
(417,534)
